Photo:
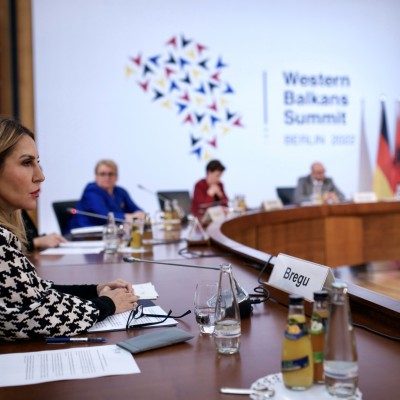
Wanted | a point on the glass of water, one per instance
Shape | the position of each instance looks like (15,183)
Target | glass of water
(204,305)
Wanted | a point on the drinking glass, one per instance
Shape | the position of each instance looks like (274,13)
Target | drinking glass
(204,305)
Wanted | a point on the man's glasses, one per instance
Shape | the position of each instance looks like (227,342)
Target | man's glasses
(110,174)
(138,319)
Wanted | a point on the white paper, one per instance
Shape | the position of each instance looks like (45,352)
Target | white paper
(130,250)
(72,250)
(118,321)
(73,363)
(88,229)
(146,291)
(83,244)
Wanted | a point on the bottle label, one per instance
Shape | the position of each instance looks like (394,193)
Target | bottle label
(318,324)
(295,330)
(318,357)
(294,365)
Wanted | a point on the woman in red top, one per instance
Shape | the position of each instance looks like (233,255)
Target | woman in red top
(209,192)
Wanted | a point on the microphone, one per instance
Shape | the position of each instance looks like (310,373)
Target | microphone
(90,214)
(153,193)
(242,296)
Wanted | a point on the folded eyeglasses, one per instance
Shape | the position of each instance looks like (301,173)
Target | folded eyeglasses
(138,313)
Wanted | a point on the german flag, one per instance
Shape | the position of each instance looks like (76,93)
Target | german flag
(396,156)
(384,165)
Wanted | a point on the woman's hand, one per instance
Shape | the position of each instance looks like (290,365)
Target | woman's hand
(117,284)
(136,215)
(48,241)
(123,300)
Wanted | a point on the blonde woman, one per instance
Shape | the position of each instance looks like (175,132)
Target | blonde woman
(31,307)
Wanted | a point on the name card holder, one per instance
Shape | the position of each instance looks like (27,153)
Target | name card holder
(292,275)
(365,197)
(213,214)
(273,204)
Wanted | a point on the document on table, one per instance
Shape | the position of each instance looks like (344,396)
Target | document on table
(145,291)
(78,247)
(118,322)
(58,365)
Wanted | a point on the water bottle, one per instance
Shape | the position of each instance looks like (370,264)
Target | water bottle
(227,328)
(297,360)
(110,234)
(340,358)
(318,323)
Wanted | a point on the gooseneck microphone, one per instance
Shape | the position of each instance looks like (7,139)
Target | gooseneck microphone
(90,214)
(154,193)
(242,296)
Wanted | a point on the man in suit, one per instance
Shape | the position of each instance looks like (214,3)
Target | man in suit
(317,188)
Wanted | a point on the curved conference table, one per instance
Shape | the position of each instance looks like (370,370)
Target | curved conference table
(193,370)
(332,235)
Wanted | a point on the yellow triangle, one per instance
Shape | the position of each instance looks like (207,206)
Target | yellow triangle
(223,102)
(199,101)
(129,71)
(160,82)
(196,73)
(206,156)
(205,128)
(166,103)
(191,54)
(225,130)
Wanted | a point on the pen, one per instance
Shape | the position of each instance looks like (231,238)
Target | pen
(75,340)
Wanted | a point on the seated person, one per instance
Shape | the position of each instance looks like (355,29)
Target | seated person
(317,181)
(102,196)
(209,192)
(32,307)
(36,241)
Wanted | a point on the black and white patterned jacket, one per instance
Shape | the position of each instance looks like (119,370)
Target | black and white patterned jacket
(31,307)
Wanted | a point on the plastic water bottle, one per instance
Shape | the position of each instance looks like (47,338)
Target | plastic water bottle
(227,328)
(340,358)
(110,234)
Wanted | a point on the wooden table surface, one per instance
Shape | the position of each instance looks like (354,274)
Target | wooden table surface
(192,370)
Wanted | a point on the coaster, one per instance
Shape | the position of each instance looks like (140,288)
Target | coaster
(315,392)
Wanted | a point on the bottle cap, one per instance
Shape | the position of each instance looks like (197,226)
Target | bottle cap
(321,295)
(296,299)
(339,285)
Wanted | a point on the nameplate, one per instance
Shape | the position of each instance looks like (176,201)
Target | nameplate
(274,204)
(365,197)
(300,277)
(213,214)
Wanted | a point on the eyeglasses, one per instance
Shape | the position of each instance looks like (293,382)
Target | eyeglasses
(111,174)
(138,314)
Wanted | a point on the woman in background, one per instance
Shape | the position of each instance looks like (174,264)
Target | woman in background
(31,307)
(102,196)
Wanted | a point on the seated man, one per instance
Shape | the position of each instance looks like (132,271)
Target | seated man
(209,191)
(317,188)
(102,196)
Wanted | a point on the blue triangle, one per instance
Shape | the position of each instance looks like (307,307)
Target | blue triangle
(173,86)
(220,63)
(181,107)
(154,60)
(201,89)
(183,62)
(228,89)
(214,120)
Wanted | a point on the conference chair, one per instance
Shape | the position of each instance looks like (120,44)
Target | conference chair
(285,194)
(183,197)
(62,214)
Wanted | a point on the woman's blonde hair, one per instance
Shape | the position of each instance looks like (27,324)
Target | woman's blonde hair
(109,163)
(11,132)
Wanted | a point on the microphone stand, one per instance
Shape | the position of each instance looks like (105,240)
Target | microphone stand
(242,296)
(90,214)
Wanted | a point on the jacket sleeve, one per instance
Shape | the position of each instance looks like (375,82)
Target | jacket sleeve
(130,205)
(301,194)
(31,307)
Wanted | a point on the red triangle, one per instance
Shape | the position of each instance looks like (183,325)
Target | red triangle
(213,107)
(188,119)
(169,71)
(213,142)
(186,97)
(137,60)
(172,42)
(215,76)
(238,122)
(144,85)
(200,48)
